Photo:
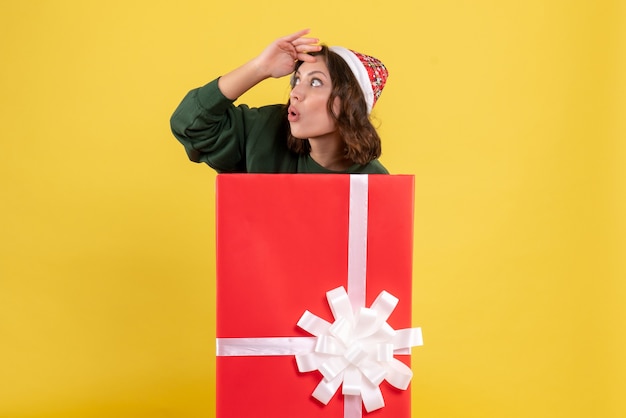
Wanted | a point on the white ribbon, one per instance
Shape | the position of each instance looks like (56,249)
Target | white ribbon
(273,346)
(357,239)
(357,350)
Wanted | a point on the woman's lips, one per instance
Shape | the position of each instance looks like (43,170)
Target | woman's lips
(292,114)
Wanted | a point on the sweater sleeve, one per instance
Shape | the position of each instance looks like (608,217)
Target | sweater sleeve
(211,128)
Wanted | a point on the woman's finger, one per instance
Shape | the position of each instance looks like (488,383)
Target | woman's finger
(304,41)
(306,57)
(296,35)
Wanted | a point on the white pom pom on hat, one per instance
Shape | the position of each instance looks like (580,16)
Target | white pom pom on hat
(370,73)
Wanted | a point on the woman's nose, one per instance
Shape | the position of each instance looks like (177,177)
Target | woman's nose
(296,93)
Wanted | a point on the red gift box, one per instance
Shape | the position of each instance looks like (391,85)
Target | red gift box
(283,242)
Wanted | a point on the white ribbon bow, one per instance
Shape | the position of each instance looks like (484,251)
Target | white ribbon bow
(357,350)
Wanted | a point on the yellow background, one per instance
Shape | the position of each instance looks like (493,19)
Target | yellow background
(509,113)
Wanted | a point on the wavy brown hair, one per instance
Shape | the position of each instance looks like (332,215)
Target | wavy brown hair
(353,123)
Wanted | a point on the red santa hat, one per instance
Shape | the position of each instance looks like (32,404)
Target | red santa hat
(370,73)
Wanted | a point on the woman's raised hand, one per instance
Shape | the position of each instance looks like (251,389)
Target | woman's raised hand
(280,57)
(276,60)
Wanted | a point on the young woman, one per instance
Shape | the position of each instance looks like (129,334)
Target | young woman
(324,128)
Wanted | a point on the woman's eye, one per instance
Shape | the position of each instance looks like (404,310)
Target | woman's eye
(296,81)
(316,82)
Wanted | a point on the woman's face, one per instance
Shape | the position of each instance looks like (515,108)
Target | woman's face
(308,112)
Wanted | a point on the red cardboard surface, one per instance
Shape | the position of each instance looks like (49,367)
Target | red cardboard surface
(282,243)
